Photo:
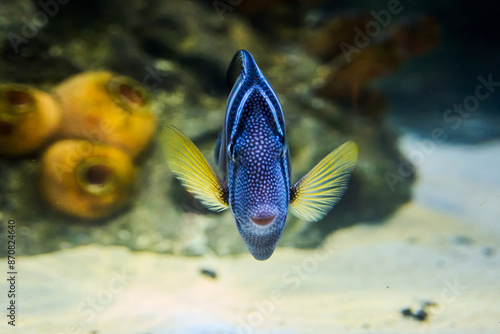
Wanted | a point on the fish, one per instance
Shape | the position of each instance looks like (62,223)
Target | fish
(254,165)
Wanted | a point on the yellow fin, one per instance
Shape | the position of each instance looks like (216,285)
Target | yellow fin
(192,169)
(319,190)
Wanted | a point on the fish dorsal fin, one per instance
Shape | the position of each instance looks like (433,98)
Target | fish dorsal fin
(249,84)
(236,67)
(319,190)
(242,63)
(192,169)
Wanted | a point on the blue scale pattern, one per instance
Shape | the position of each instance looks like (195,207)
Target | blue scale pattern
(258,177)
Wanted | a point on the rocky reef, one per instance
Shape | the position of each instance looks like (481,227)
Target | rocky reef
(179,52)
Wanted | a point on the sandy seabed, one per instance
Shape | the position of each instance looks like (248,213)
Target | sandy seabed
(358,282)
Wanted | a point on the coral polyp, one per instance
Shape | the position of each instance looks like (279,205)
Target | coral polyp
(108,108)
(28,118)
(85,179)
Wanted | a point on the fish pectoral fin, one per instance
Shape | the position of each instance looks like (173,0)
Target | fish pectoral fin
(319,190)
(192,169)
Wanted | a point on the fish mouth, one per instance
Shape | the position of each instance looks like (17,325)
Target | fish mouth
(263,221)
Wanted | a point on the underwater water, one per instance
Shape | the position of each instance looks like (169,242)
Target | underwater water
(98,236)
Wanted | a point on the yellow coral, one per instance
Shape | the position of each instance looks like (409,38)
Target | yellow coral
(108,108)
(28,118)
(86,179)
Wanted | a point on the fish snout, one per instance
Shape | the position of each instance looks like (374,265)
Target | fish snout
(263,221)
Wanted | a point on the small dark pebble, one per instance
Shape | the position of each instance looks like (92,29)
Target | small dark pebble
(420,316)
(407,312)
(209,273)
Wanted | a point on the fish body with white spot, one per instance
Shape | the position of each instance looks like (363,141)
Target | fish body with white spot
(254,164)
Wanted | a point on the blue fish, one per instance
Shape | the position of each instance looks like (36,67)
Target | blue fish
(254,164)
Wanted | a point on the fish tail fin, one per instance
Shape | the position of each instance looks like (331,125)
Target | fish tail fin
(192,169)
(319,190)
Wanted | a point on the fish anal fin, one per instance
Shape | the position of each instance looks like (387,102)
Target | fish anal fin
(192,169)
(319,190)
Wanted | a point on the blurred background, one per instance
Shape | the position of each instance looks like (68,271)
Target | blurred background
(85,87)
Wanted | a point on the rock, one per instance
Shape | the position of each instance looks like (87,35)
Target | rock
(326,41)
(356,58)
(14,17)
(414,35)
